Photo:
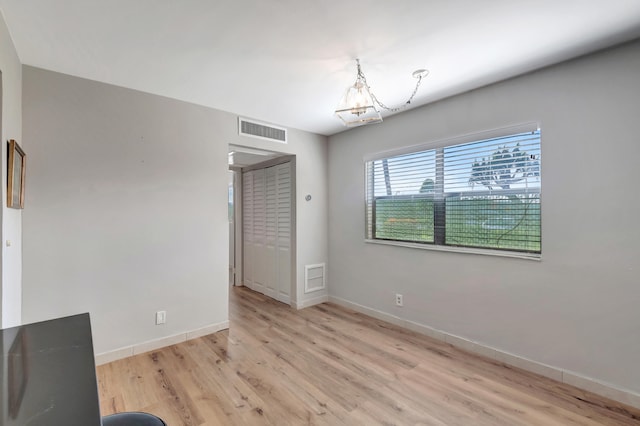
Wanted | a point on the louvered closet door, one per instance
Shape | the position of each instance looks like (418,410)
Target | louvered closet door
(259,231)
(271,230)
(247,228)
(283,242)
(267,205)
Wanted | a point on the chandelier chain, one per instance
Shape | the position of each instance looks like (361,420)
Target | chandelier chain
(377,101)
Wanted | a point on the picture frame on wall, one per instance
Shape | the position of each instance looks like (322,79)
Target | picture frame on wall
(16,160)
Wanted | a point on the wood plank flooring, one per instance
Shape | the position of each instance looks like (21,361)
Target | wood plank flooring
(327,365)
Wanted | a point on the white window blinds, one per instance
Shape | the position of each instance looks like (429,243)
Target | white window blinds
(483,194)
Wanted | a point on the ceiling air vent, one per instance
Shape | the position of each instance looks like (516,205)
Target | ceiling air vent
(259,130)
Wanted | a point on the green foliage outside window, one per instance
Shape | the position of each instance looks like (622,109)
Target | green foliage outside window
(507,223)
(404,219)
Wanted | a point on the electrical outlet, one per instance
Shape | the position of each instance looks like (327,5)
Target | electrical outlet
(398,299)
(161,317)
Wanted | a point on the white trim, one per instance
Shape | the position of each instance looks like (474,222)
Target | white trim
(595,386)
(454,249)
(106,357)
(206,330)
(455,140)
(310,302)
(306,277)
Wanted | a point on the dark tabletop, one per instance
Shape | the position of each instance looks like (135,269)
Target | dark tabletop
(48,374)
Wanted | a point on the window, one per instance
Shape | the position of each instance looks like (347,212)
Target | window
(482,194)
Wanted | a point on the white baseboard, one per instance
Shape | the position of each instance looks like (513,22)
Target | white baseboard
(310,302)
(606,390)
(151,345)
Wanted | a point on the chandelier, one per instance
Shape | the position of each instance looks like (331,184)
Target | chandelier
(358,105)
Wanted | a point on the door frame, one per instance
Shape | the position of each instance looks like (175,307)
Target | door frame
(237,221)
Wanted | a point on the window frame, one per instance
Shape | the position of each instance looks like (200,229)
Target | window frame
(438,243)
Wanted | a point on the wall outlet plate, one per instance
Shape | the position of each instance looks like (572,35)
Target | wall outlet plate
(161,317)
(399,301)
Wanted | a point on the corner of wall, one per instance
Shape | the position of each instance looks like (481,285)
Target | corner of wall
(11,128)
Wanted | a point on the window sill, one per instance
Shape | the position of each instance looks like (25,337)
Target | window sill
(465,250)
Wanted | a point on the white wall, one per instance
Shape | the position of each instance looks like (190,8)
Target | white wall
(11,218)
(126,209)
(311,216)
(577,309)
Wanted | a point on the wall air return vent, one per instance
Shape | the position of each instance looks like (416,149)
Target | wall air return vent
(314,278)
(255,129)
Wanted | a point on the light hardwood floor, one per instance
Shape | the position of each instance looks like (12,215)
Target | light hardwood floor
(328,365)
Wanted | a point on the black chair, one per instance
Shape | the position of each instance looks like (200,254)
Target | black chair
(132,419)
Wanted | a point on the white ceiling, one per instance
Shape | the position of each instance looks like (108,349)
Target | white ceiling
(289,61)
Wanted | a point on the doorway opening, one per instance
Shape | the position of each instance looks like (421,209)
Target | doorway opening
(262,221)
